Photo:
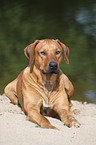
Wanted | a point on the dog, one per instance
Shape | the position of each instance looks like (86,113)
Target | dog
(43,85)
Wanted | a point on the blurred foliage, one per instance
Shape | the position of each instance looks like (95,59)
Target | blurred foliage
(21,23)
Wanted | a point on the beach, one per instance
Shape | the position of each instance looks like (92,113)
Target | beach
(15,129)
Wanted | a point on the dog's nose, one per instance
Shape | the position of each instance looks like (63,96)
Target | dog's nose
(53,65)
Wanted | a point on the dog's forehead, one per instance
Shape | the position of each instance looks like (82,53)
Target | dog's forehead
(48,44)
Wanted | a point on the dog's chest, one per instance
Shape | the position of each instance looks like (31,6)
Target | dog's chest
(45,105)
(47,91)
(49,98)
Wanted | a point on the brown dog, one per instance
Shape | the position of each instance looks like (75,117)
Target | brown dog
(42,84)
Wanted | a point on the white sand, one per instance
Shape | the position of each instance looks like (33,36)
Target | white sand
(16,130)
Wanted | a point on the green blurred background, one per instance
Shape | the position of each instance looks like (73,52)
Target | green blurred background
(72,22)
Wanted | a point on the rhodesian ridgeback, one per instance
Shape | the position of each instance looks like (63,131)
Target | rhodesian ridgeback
(42,84)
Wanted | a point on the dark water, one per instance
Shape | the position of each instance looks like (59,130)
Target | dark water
(72,22)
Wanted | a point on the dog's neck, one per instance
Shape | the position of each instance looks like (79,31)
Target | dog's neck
(51,81)
(48,81)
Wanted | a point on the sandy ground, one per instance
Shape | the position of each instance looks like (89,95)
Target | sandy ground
(15,129)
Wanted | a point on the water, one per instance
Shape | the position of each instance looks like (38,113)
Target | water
(72,22)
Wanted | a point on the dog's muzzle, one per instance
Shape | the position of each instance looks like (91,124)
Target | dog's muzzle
(53,68)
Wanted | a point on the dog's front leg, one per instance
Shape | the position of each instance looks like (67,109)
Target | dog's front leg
(62,108)
(66,117)
(34,115)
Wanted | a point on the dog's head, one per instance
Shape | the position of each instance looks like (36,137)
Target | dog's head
(47,55)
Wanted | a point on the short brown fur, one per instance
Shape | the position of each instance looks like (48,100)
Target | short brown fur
(34,88)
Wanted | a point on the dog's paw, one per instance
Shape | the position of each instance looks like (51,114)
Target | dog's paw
(49,127)
(53,127)
(74,122)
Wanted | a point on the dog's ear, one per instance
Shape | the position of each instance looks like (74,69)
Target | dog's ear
(65,51)
(30,53)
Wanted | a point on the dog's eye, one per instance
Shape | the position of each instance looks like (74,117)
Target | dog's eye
(43,53)
(58,52)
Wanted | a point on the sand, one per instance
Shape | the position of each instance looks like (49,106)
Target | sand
(15,129)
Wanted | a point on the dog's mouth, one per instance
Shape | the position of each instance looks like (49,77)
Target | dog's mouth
(50,72)
(53,68)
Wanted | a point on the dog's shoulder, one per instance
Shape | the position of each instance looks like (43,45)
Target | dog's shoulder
(26,71)
(64,79)
(62,76)
(26,75)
